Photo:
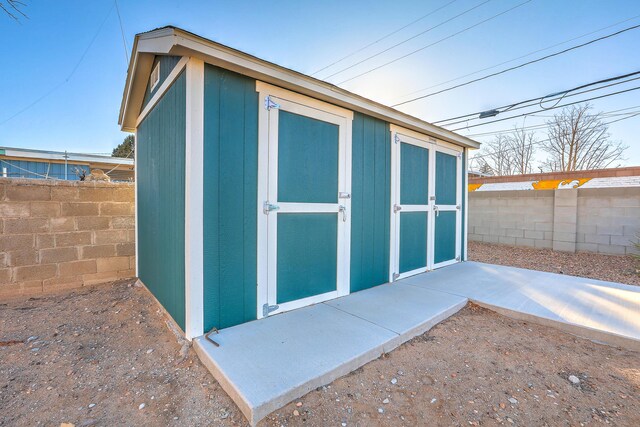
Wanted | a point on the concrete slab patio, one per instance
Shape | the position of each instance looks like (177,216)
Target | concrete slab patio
(608,312)
(265,364)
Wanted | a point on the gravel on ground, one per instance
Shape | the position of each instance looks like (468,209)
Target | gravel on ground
(104,356)
(611,268)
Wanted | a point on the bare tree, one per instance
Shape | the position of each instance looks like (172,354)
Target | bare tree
(508,154)
(12,8)
(579,140)
(496,156)
(521,144)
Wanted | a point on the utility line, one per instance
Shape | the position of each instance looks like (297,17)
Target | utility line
(436,42)
(382,38)
(480,156)
(409,39)
(552,108)
(59,85)
(520,57)
(607,114)
(557,96)
(124,40)
(520,65)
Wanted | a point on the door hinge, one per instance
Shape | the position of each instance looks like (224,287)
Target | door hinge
(397,208)
(396,138)
(266,309)
(268,207)
(459,155)
(395,276)
(458,207)
(269,103)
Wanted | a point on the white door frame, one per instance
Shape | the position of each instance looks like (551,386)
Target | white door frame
(272,99)
(398,135)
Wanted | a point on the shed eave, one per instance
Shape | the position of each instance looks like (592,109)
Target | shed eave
(174,41)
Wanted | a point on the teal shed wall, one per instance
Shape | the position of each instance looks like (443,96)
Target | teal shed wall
(167,64)
(370,202)
(160,199)
(230,198)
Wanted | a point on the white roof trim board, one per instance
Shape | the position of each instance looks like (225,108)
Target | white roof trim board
(174,41)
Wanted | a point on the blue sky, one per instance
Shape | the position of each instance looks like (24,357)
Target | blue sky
(81,112)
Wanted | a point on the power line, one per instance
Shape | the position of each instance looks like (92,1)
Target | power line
(382,38)
(480,156)
(124,40)
(409,39)
(557,96)
(59,85)
(606,114)
(520,65)
(522,56)
(552,108)
(436,42)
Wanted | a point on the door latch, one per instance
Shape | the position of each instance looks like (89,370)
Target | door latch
(436,210)
(395,276)
(397,208)
(343,209)
(268,207)
(458,207)
(266,309)
(344,195)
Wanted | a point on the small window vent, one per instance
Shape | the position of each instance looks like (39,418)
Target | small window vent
(155,77)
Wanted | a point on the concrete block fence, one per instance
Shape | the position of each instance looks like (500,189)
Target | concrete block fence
(603,220)
(63,234)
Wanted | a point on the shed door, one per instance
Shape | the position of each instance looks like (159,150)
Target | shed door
(426,197)
(447,202)
(411,210)
(307,209)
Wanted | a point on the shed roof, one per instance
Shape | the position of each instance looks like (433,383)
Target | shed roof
(175,41)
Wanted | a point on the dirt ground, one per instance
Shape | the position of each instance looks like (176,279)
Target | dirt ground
(103,356)
(613,268)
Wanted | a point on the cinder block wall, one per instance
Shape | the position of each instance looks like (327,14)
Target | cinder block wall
(608,219)
(604,220)
(63,234)
(521,218)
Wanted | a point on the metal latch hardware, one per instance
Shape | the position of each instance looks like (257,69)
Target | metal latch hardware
(459,155)
(396,138)
(395,276)
(343,209)
(436,210)
(344,195)
(457,258)
(458,207)
(268,207)
(397,208)
(266,309)
(269,103)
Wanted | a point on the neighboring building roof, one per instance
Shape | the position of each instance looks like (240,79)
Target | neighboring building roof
(175,41)
(23,162)
(597,178)
(28,153)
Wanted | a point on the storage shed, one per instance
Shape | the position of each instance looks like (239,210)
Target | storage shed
(261,190)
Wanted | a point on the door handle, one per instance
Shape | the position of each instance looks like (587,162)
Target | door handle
(343,209)
(436,210)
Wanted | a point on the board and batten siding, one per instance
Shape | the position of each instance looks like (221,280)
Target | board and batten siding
(370,201)
(167,64)
(230,198)
(160,154)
